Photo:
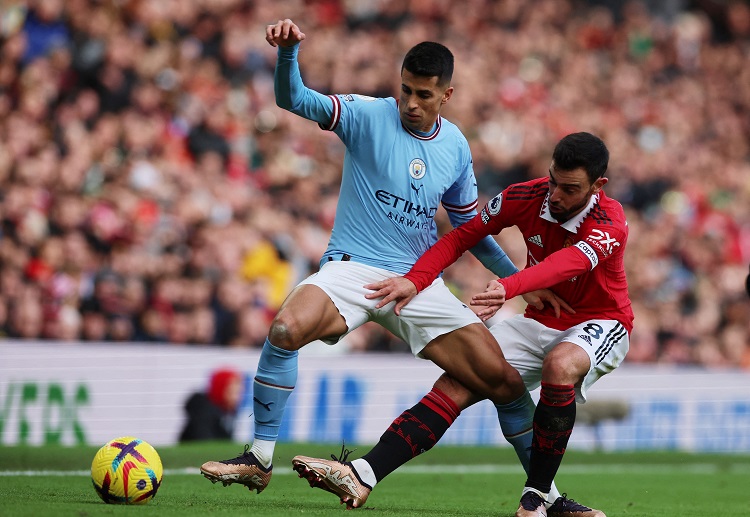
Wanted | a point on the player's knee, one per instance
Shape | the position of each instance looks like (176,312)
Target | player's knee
(561,370)
(282,333)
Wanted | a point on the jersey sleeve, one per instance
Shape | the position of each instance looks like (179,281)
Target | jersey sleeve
(557,267)
(598,243)
(292,94)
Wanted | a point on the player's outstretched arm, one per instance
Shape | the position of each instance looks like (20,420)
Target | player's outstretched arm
(291,93)
(284,33)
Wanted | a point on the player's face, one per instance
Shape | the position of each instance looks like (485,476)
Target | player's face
(420,101)
(570,192)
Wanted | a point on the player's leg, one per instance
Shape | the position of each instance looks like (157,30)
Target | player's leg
(572,364)
(307,314)
(553,423)
(416,430)
(555,413)
(413,432)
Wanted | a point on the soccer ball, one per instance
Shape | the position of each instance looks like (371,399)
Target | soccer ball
(126,471)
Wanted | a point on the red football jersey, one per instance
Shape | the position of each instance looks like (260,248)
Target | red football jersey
(580,260)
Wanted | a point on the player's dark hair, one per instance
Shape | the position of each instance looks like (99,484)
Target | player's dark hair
(582,150)
(430,59)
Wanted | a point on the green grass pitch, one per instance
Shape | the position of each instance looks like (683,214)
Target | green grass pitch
(447,481)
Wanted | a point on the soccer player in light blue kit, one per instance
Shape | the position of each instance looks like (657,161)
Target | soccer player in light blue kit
(402,161)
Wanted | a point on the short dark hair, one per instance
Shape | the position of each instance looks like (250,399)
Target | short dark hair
(582,150)
(430,59)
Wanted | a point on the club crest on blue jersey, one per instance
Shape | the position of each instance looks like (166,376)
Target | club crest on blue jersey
(417,168)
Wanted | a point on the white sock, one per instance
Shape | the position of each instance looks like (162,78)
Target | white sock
(263,450)
(554,493)
(364,471)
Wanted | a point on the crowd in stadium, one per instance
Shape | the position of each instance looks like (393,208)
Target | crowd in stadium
(151,190)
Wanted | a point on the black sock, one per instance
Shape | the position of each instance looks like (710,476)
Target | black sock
(415,431)
(553,422)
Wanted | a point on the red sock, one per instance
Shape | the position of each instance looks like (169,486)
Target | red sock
(415,431)
(553,422)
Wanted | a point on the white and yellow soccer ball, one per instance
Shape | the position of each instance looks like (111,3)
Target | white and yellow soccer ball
(126,470)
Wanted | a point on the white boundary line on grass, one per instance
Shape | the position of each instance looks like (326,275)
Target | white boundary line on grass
(690,468)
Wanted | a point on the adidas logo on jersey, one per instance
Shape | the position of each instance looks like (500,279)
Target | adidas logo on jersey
(536,239)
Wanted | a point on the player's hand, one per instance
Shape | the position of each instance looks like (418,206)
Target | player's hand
(540,297)
(398,289)
(284,33)
(492,299)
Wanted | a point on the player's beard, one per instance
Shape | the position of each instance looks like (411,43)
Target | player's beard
(565,215)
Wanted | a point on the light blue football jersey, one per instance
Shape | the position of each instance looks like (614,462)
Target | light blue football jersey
(393,179)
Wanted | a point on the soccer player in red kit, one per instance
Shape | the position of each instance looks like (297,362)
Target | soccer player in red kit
(575,236)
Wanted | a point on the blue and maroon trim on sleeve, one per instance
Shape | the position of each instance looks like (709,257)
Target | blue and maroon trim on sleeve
(335,117)
(460,209)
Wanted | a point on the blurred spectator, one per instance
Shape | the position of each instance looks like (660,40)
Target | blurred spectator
(45,29)
(152,191)
(94,324)
(152,327)
(211,413)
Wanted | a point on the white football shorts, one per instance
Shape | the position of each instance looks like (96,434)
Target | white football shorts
(433,312)
(526,342)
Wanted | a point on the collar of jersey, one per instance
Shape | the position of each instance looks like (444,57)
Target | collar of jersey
(425,136)
(574,223)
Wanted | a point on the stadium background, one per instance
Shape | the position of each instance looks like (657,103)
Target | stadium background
(152,192)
